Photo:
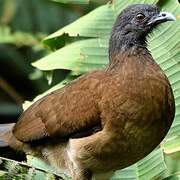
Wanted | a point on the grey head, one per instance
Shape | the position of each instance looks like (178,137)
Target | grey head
(133,25)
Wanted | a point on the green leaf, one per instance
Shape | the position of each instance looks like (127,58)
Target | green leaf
(171,145)
(165,49)
(84,56)
(79,1)
(119,5)
(97,23)
(151,166)
(173,177)
(72,1)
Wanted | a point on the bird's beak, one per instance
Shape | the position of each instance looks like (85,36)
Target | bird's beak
(162,17)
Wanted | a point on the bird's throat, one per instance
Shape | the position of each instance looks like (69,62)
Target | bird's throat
(122,42)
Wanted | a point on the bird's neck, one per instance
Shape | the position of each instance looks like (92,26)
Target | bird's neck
(121,42)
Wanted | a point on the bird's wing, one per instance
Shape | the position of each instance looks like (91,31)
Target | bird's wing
(63,113)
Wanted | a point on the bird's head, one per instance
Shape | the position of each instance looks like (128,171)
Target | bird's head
(134,24)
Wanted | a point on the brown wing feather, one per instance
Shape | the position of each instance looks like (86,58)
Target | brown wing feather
(63,112)
(29,126)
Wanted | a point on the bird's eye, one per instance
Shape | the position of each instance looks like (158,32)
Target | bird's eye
(140,16)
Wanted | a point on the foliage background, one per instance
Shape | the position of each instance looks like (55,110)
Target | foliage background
(81,27)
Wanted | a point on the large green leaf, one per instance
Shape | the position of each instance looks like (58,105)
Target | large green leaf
(84,55)
(78,1)
(171,145)
(119,5)
(72,1)
(97,23)
(144,169)
(165,48)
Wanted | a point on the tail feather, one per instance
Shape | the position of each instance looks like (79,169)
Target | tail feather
(7,141)
(5,131)
(3,143)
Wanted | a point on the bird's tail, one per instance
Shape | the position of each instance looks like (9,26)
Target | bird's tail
(7,138)
(5,134)
(9,144)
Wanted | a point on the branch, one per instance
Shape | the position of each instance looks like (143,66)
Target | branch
(61,176)
(11,91)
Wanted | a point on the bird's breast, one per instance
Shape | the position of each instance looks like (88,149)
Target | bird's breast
(137,110)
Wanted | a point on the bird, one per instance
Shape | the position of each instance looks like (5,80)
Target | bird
(106,119)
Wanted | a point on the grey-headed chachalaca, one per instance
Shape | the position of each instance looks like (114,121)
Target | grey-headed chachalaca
(106,119)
